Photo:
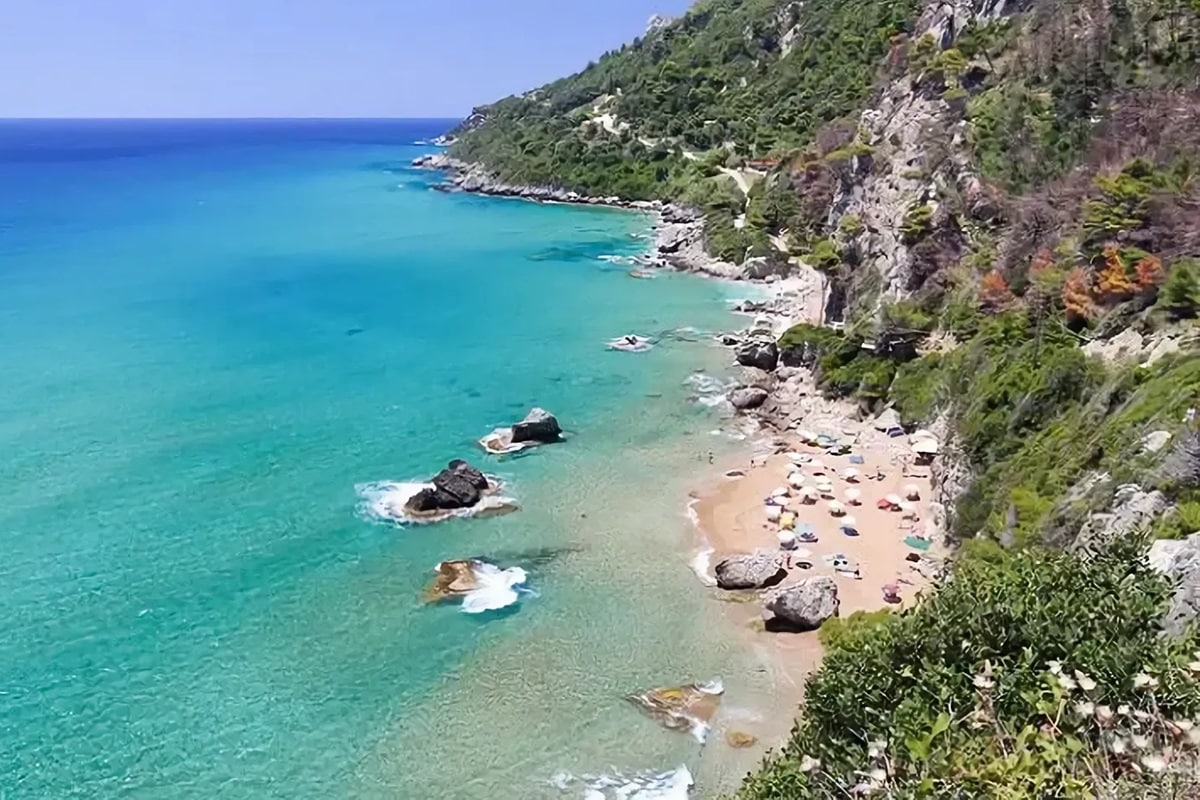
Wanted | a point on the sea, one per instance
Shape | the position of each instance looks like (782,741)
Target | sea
(218,340)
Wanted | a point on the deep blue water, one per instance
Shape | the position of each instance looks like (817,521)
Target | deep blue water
(210,334)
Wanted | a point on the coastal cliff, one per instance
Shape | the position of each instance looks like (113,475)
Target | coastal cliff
(998,196)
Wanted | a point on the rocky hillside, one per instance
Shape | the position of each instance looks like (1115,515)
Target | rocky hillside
(1004,198)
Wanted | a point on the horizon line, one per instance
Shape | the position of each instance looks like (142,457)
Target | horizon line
(229,119)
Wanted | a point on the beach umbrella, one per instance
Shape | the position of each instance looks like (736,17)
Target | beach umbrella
(836,508)
(787,539)
(850,473)
(848,521)
(806,435)
(912,491)
(773,513)
(810,494)
(780,491)
(853,496)
(882,504)
(922,434)
(787,520)
(799,458)
(817,467)
(796,479)
(926,447)
(893,500)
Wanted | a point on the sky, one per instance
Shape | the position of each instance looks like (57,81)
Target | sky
(297,58)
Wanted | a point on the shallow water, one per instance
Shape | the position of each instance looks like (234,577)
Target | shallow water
(212,333)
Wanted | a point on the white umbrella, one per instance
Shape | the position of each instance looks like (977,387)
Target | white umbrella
(809,494)
(836,508)
(894,499)
(774,513)
(806,435)
(780,491)
(798,458)
(849,522)
(912,491)
(787,539)
(850,474)
(925,446)
(796,479)
(816,466)
(853,496)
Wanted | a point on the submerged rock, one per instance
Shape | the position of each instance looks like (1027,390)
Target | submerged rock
(482,586)
(806,605)
(754,571)
(453,578)
(739,739)
(690,707)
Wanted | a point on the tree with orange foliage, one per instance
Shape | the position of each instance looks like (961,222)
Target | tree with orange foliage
(1112,284)
(1149,273)
(1076,297)
(993,290)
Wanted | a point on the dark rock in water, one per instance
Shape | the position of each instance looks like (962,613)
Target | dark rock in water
(465,470)
(460,485)
(761,354)
(805,606)
(747,397)
(539,425)
(354,331)
(755,571)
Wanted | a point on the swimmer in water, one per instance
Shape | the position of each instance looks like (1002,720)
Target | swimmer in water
(631,339)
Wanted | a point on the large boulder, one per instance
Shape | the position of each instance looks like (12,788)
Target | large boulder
(806,605)
(754,571)
(763,355)
(1133,508)
(539,425)
(748,397)
(460,485)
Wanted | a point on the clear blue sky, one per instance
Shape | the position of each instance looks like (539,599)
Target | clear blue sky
(280,58)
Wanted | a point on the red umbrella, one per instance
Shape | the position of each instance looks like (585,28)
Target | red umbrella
(882,504)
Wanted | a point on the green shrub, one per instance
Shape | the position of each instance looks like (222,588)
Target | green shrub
(839,630)
(1180,296)
(918,222)
(995,685)
(824,256)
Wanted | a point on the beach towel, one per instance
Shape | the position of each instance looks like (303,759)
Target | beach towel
(856,459)
(917,544)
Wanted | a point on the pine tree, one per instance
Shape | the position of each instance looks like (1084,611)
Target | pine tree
(1180,295)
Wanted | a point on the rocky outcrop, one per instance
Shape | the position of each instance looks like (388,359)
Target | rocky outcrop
(805,606)
(760,354)
(460,485)
(754,571)
(538,426)
(950,475)
(746,398)
(1133,508)
(1179,561)
(1181,467)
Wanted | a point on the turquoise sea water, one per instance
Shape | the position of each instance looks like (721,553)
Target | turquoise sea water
(211,333)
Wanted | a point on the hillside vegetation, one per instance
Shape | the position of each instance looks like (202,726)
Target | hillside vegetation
(997,192)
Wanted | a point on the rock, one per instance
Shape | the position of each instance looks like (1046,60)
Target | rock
(1132,508)
(806,605)
(754,571)
(1153,442)
(1182,465)
(748,397)
(1179,561)
(761,354)
(539,425)
(460,485)
(762,268)
(739,740)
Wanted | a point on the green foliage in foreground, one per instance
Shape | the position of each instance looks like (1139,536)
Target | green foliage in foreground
(1016,679)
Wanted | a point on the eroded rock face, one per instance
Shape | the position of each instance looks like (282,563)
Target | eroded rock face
(748,397)
(805,606)
(539,425)
(1132,508)
(1179,561)
(754,571)
(1182,464)
(762,355)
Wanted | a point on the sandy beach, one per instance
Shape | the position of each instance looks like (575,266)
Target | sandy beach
(731,515)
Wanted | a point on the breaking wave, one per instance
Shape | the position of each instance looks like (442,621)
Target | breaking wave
(672,785)
(384,501)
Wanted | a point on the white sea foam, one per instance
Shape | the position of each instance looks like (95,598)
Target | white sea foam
(640,344)
(498,588)
(709,391)
(673,785)
(385,501)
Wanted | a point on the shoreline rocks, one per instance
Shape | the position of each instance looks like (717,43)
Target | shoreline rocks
(752,571)
(803,607)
